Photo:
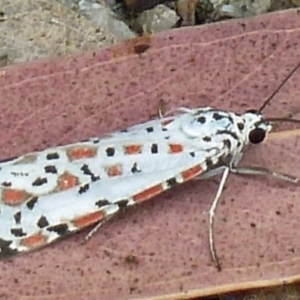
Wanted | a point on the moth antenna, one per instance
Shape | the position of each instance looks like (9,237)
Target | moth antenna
(275,120)
(279,87)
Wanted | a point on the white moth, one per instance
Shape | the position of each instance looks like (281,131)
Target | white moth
(48,194)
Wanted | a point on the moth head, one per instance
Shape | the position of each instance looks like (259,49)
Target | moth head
(256,127)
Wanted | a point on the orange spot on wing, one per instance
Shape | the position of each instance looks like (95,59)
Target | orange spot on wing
(175,148)
(192,172)
(133,149)
(81,152)
(89,219)
(67,181)
(148,193)
(13,197)
(115,170)
(34,241)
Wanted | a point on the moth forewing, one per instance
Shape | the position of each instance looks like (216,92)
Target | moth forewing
(62,190)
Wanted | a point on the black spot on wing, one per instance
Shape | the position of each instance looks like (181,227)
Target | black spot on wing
(50,169)
(17,217)
(122,203)
(40,181)
(149,129)
(110,151)
(218,116)
(192,154)
(31,203)
(241,126)
(61,229)
(86,171)
(6,183)
(102,202)
(84,188)
(172,182)
(93,140)
(17,232)
(135,169)
(154,148)
(42,222)
(5,250)
(201,120)
(51,156)
(206,139)
(19,174)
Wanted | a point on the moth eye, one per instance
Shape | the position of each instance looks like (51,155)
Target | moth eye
(257,135)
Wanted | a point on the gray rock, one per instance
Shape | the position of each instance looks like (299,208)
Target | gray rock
(106,19)
(157,19)
(241,8)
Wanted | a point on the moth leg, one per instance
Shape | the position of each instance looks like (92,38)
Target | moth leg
(94,230)
(265,172)
(161,110)
(240,171)
(212,211)
(211,173)
(110,211)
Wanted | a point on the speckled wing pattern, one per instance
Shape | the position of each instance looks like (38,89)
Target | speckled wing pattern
(52,193)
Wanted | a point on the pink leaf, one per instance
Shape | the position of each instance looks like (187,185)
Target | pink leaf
(159,250)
